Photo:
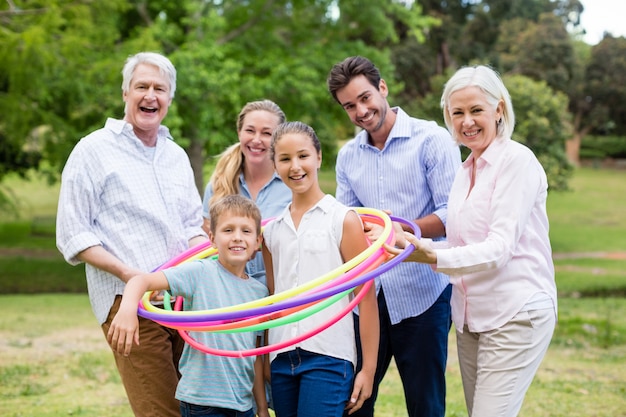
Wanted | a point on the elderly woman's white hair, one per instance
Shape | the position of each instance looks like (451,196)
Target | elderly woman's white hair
(491,84)
(165,66)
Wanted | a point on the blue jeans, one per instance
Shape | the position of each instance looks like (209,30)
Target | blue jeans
(419,346)
(306,384)
(193,410)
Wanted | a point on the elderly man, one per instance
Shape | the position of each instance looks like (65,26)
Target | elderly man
(128,203)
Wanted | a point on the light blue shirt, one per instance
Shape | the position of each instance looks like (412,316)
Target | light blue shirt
(411,176)
(271,200)
(212,380)
(140,203)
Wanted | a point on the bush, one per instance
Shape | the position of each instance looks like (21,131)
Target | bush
(601,147)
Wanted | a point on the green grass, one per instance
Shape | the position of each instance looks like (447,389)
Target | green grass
(590,277)
(55,362)
(54,359)
(35,197)
(590,217)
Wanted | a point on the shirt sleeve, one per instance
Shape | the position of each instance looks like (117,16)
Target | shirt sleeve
(78,205)
(442,159)
(344,192)
(208,193)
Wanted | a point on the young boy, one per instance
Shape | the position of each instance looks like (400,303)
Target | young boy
(209,385)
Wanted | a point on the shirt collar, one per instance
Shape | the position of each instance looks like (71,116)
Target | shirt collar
(325,204)
(490,155)
(242,179)
(118,127)
(401,129)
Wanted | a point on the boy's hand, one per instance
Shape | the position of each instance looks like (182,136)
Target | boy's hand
(124,330)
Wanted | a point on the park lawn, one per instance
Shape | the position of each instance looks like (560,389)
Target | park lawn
(54,360)
(589,217)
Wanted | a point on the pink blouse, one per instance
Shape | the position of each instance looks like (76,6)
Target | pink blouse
(498,251)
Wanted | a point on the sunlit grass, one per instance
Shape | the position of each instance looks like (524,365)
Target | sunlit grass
(590,217)
(44,371)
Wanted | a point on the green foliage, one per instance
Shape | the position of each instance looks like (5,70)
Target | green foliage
(60,64)
(543,124)
(606,85)
(541,51)
(27,274)
(596,146)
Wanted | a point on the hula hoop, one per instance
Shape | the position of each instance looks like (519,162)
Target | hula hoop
(269,303)
(285,307)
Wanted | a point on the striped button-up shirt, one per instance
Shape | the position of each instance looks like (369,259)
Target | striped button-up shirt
(411,176)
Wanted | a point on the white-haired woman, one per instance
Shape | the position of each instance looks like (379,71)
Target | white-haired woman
(497,253)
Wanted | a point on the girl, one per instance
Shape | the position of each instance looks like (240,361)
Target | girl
(314,235)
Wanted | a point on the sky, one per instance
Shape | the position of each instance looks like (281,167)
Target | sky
(603,15)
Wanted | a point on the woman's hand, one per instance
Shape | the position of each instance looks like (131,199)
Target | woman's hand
(423,253)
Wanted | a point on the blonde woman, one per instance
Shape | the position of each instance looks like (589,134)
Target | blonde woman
(246,168)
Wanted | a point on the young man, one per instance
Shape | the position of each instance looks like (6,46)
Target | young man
(407,166)
(128,203)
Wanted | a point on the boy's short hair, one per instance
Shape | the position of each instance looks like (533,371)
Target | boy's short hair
(238,205)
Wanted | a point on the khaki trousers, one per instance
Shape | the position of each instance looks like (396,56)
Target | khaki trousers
(498,366)
(150,373)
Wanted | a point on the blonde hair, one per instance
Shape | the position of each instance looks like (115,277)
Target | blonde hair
(225,178)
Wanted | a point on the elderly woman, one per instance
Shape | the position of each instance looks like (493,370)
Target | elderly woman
(497,253)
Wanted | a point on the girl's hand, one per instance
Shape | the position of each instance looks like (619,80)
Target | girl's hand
(361,391)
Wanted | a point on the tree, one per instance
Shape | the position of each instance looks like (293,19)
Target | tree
(61,62)
(606,87)
(541,51)
(598,92)
(543,123)
(53,82)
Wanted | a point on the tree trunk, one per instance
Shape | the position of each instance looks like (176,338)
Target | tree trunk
(572,149)
(196,157)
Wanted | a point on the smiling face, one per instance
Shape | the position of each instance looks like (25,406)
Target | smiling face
(237,239)
(147,101)
(366,105)
(297,161)
(474,119)
(255,136)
